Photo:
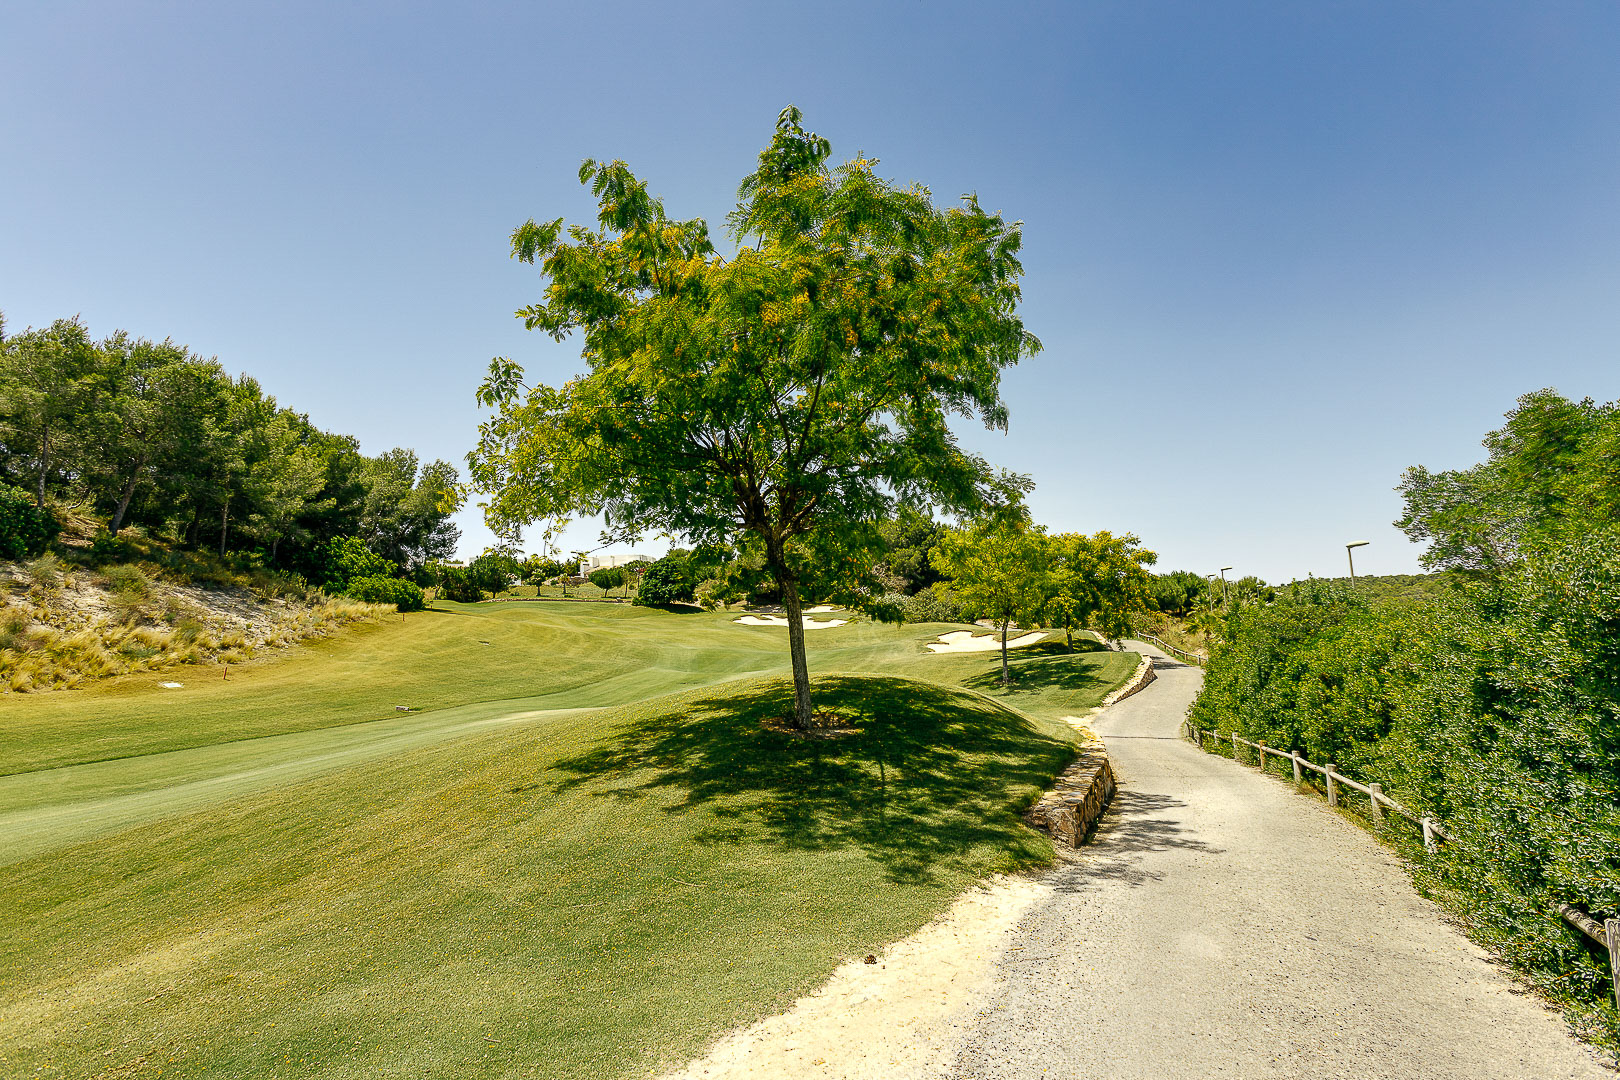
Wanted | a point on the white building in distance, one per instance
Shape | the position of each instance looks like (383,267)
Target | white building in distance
(608,562)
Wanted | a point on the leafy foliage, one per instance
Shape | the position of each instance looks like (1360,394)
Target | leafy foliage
(405,595)
(1100,580)
(26,530)
(911,539)
(790,396)
(1553,471)
(671,580)
(1000,571)
(1177,592)
(1492,703)
(149,434)
(347,558)
(493,571)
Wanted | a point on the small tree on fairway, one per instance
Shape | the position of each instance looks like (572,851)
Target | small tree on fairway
(790,395)
(999,570)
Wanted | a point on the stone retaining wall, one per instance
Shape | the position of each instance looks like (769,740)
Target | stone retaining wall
(1077,799)
(1144,675)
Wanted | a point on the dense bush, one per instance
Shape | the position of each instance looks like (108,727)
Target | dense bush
(493,572)
(25,529)
(1495,708)
(405,595)
(670,580)
(457,585)
(346,558)
(608,577)
(933,604)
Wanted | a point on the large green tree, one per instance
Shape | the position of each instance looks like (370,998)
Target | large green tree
(789,394)
(1553,474)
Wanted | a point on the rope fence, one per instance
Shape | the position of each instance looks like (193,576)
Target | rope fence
(1605,934)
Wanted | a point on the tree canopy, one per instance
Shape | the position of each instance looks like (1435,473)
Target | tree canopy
(1553,473)
(148,433)
(1101,579)
(1000,569)
(784,398)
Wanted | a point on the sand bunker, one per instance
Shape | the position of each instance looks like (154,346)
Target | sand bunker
(899,1018)
(171,685)
(781,620)
(967,641)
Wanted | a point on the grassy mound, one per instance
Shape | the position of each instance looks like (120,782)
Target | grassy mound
(595,895)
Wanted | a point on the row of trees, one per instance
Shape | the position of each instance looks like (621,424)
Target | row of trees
(1015,573)
(148,433)
(1489,701)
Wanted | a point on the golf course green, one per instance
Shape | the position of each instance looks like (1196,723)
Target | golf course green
(582,852)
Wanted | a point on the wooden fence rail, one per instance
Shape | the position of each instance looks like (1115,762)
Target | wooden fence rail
(1605,933)
(1169,648)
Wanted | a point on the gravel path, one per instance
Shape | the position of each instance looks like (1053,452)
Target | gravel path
(1221,926)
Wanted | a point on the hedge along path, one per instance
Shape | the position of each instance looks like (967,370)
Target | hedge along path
(1217,924)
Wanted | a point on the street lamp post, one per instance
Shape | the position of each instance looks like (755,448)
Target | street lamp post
(1224,569)
(1350,553)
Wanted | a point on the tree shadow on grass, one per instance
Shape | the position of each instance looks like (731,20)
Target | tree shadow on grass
(1035,673)
(935,778)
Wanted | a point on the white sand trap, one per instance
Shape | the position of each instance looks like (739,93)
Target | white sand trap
(781,620)
(900,1017)
(171,685)
(967,641)
(820,609)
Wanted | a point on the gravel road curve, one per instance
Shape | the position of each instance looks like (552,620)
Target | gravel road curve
(1220,925)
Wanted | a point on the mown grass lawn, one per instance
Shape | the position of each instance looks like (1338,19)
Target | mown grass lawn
(530,655)
(596,898)
(587,894)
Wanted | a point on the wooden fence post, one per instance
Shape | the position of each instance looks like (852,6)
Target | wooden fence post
(1298,776)
(1378,810)
(1333,790)
(1234,747)
(1260,756)
(1430,842)
(1611,928)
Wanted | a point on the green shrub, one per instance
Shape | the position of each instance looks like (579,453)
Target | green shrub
(129,581)
(346,559)
(670,580)
(457,585)
(107,548)
(26,530)
(608,577)
(933,604)
(1493,709)
(404,595)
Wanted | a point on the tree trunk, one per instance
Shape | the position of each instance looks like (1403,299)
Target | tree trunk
(44,463)
(129,493)
(1006,677)
(802,716)
(1068,632)
(224,524)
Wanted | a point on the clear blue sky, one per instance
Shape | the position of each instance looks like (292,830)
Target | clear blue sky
(1276,252)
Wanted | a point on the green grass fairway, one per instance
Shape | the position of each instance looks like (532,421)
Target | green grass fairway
(589,897)
(534,655)
(279,876)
